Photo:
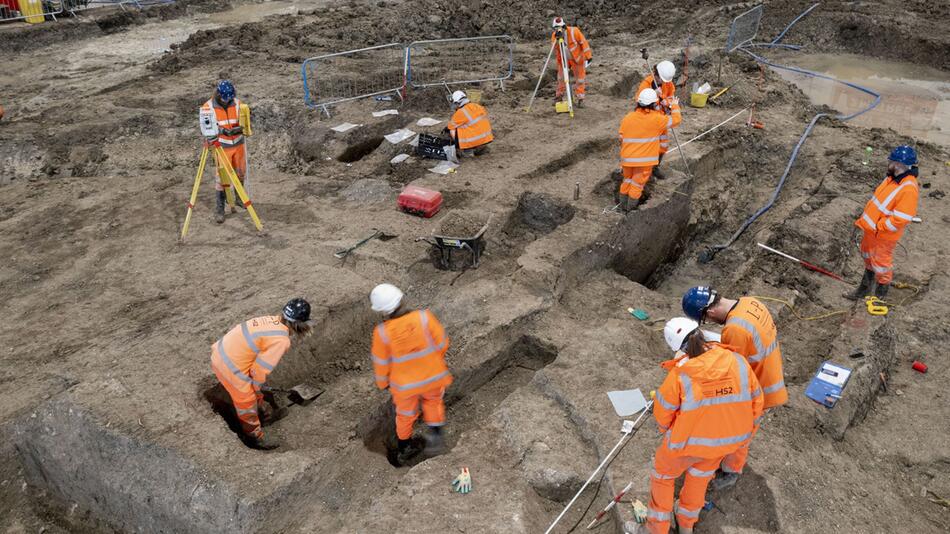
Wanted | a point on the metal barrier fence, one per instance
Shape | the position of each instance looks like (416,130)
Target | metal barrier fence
(460,61)
(744,28)
(334,78)
(33,11)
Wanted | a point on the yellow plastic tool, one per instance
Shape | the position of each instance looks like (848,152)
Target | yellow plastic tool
(562,107)
(698,100)
(244,119)
(33,10)
(875,306)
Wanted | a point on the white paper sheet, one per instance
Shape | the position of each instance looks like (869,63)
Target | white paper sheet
(444,167)
(345,127)
(385,112)
(427,121)
(834,374)
(399,136)
(627,402)
(399,159)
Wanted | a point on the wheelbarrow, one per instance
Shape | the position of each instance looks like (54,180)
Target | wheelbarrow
(447,244)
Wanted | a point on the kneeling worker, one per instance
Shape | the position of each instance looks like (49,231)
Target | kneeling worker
(409,359)
(244,357)
(640,133)
(708,406)
(469,126)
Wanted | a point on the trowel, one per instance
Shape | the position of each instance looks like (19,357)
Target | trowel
(302,394)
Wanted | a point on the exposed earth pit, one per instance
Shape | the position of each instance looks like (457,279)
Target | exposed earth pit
(112,411)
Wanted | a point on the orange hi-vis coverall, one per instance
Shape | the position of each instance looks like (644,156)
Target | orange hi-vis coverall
(243,358)
(892,207)
(665,91)
(708,406)
(233,145)
(640,133)
(578,50)
(409,358)
(470,126)
(751,332)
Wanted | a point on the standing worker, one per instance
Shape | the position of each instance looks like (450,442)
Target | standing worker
(708,406)
(579,58)
(469,126)
(750,331)
(226,109)
(244,357)
(666,91)
(892,207)
(409,359)
(640,133)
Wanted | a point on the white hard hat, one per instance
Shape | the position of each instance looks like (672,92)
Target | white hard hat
(666,70)
(647,97)
(676,330)
(459,98)
(558,22)
(385,298)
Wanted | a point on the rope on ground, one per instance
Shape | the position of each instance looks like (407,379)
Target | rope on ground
(792,309)
(708,255)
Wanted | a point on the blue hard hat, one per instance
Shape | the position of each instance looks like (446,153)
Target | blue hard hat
(905,155)
(226,90)
(696,300)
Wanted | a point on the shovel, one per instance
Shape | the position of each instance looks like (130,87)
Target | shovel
(301,394)
(383,236)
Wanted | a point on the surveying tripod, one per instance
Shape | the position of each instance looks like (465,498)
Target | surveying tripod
(222,163)
(561,47)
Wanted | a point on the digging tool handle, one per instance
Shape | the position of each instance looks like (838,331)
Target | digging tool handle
(780,253)
(818,269)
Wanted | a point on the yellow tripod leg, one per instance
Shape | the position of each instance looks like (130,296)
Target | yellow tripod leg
(221,162)
(194,192)
(238,188)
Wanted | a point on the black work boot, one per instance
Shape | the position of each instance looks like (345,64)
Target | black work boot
(219,207)
(263,443)
(406,450)
(724,480)
(881,291)
(237,200)
(863,287)
(435,445)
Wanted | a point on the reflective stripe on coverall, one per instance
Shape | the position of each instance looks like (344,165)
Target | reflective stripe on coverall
(708,406)
(243,358)
(579,51)
(233,145)
(891,208)
(409,358)
(665,91)
(640,133)
(470,123)
(751,332)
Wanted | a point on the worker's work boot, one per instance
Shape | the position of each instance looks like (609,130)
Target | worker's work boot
(435,445)
(237,200)
(724,480)
(263,443)
(628,204)
(219,207)
(580,103)
(658,173)
(407,450)
(881,291)
(862,290)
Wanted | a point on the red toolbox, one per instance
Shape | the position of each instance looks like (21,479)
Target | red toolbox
(420,201)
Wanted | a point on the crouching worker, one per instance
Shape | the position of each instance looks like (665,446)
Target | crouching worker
(244,357)
(469,126)
(409,359)
(640,142)
(708,406)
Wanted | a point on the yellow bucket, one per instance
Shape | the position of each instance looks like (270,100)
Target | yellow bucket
(474,95)
(698,100)
(561,107)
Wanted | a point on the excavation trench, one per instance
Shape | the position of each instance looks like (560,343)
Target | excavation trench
(472,396)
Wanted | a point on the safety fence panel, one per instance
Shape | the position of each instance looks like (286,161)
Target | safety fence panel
(32,11)
(334,78)
(460,61)
(744,28)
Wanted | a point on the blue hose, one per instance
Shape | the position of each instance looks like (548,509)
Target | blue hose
(708,255)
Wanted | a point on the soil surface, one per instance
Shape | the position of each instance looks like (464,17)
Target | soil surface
(116,422)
